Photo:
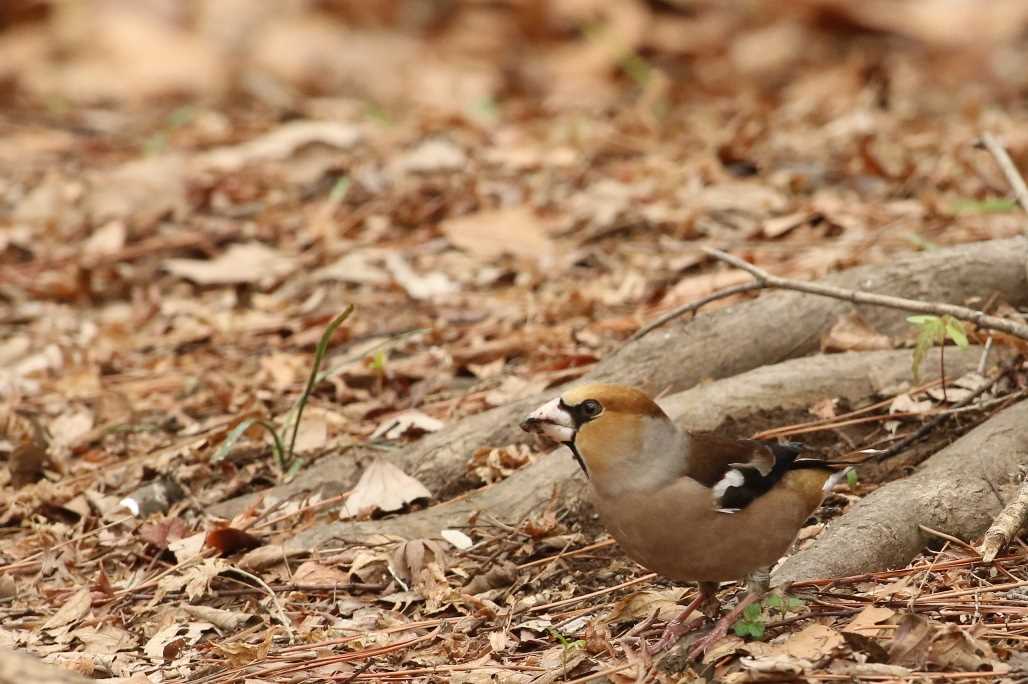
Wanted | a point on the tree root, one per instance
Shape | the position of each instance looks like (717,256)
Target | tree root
(19,668)
(790,385)
(958,492)
(770,329)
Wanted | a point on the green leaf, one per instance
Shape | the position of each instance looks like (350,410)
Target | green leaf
(795,604)
(774,601)
(231,439)
(319,355)
(752,612)
(931,331)
(237,432)
(851,478)
(757,630)
(955,331)
(742,628)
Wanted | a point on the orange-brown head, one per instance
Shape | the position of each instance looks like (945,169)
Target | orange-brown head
(619,436)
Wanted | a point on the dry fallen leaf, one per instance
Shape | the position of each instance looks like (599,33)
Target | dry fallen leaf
(903,403)
(314,574)
(435,154)
(812,643)
(383,487)
(282,142)
(489,234)
(866,620)
(228,540)
(251,262)
(919,642)
(642,604)
(428,286)
(408,422)
(73,609)
(414,556)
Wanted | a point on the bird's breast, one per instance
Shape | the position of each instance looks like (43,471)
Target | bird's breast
(676,532)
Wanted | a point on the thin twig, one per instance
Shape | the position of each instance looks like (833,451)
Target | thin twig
(948,537)
(768,280)
(693,307)
(1006,164)
(902,445)
(278,611)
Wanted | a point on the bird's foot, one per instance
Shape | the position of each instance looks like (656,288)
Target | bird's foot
(720,630)
(674,631)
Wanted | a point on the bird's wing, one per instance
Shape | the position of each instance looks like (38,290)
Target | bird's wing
(739,471)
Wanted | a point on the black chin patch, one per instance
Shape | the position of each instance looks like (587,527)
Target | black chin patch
(578,457)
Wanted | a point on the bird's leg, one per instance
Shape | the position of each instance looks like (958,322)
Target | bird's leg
(757,585)
(674,630)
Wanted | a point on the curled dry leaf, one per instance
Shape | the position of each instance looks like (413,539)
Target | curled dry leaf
(228,540)
(904,403)
(491,465)
(222,619)
(919,642)
(408,422)
(383,487)
(411,557)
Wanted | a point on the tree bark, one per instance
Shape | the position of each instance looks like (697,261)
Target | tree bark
(19,668)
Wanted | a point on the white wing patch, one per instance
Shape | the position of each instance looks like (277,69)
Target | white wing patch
(732,478)
(835,479)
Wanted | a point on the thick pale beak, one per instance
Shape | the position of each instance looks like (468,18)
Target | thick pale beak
(553,420)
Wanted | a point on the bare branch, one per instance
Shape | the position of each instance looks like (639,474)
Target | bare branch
(1006,164)
(692,307)
(979,318)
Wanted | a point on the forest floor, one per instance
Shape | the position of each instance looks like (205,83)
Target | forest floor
(505,193)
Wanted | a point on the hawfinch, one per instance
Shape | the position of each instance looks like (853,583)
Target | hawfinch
(687,506)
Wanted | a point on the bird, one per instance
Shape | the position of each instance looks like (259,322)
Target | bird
(689,506)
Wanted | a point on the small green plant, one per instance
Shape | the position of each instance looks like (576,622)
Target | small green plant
(285,457)
(851,478)
(568,644)
(932,330)
(751,624)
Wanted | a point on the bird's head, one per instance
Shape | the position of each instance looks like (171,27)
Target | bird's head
(610,429)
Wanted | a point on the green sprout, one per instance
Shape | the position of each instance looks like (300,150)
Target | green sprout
(934,330)
(287,462)
(752,624)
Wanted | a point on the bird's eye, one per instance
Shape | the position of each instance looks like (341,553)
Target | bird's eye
(591,408)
